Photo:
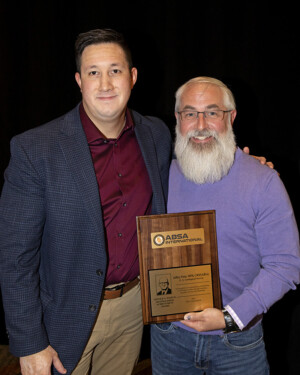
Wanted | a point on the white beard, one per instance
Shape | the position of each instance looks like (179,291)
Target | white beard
(205,163)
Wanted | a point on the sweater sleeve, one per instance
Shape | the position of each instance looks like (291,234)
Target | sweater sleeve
(278,241)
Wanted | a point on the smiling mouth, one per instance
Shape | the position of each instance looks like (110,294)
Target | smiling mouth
(106,97)
(201,138)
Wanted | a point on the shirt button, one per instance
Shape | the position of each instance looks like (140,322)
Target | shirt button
(125,204)
(116,144)
(92,307)
(120,234)
(120,174)
(99,272)
(118,266)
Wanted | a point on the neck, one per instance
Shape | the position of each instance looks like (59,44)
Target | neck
(112,129)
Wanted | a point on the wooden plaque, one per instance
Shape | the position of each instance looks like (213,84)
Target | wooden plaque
(179,267)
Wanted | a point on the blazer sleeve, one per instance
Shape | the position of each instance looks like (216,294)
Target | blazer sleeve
(22,217)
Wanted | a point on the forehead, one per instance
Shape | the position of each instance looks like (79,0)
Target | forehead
(110,53)
(202,95)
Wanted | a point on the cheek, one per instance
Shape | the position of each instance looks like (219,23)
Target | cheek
(220,128)
(84,87)
(185,128)
(126,88)
(89,90)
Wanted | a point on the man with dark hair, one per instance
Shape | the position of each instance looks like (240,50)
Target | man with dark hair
(68,255)
(99,36)
(258,241)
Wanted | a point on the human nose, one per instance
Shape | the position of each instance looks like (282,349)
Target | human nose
(105,83)
(201,121)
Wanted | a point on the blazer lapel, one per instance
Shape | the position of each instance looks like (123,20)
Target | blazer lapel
(77,155)
(147,146)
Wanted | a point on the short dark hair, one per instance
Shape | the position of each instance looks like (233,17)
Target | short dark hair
(99,36)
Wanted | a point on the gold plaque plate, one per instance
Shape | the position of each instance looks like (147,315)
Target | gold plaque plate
(178,264)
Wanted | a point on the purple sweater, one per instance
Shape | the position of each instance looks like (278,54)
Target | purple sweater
(258,240)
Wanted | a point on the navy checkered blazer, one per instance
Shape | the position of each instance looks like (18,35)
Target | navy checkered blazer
(52,240)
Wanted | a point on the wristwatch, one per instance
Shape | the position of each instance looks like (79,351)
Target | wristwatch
(230,324)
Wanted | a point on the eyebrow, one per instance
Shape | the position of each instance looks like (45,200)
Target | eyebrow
(111,66)
(210,106)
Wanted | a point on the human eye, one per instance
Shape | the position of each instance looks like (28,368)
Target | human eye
(212,114)
(115,72)
(93,73)
(189,115)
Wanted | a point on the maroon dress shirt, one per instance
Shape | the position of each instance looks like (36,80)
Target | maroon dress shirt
(125,192)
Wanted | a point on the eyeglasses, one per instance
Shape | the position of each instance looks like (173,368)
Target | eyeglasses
(217,114)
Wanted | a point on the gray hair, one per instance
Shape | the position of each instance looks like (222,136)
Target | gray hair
(229,101)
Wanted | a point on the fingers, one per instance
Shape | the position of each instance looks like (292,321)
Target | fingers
(262,159)
(58,365)
(207,320)
(40,363)
(246,150)
(56,362)
(192,316)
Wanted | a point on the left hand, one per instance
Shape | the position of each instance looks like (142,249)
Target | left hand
(207,320)
(261,159)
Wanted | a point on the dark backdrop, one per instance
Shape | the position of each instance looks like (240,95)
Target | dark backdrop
(252,46)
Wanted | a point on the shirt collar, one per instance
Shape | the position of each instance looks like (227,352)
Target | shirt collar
(93,133)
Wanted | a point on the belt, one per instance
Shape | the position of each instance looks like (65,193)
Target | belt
(119,290)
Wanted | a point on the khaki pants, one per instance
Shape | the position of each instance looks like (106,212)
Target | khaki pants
(115,342)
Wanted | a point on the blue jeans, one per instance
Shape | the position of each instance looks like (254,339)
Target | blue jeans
(177,351)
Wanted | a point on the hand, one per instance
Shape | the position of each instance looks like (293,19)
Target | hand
(206,320)
(261,159)
(40,363)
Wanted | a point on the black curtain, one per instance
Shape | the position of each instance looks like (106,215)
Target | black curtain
(252,46)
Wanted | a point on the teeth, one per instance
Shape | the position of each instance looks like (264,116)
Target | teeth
(201,138)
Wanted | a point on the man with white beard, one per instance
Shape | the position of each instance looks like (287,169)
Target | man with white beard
(258,240)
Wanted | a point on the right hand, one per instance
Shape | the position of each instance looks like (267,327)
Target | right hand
(40,363)
(209,319)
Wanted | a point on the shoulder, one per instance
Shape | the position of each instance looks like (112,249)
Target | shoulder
(154,124)
(251,169)
(153,131)
(43,145)
(51,128)
(261,182)
(47,135)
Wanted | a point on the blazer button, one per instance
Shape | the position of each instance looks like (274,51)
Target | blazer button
(92,308)
(99,272)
